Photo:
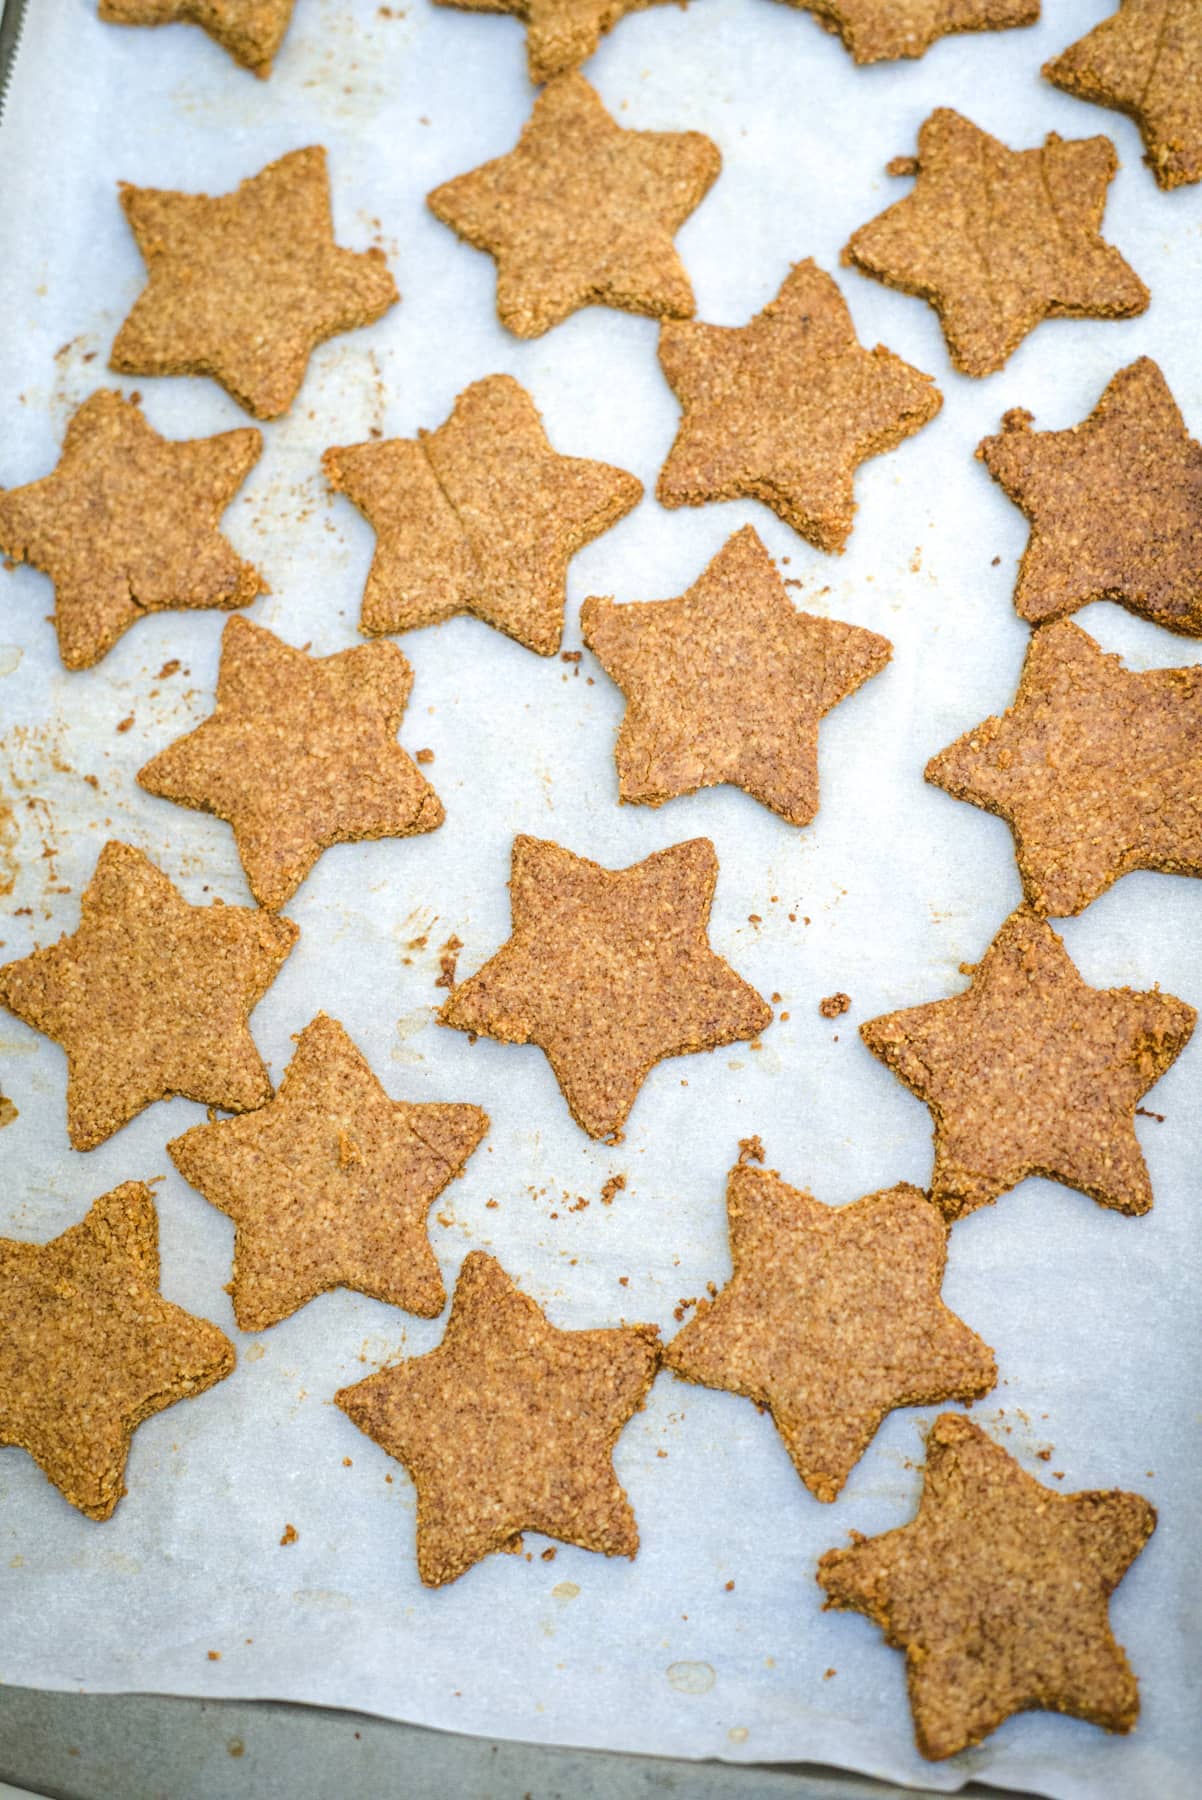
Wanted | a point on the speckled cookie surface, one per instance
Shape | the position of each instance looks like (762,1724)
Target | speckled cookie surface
(785,409)
(300,753)
(481,516)
(1115,505)
(89,1348)
(886,30)
(998,1592)
(608,971)
(244,286)
(329,1185)
(560,34)
(150,997)
(1097,769)
(509,1426)
(251,31)
(127,523)
(831,1318)
(582,212)
(1031,1071)
(728,683)
(997,240)
(1146,60)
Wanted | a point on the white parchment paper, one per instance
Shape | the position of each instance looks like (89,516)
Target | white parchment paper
(1094,1316)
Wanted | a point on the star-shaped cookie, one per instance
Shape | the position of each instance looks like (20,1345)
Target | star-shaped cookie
(329,1185)
(1115,505)
(509,1426)
(1096,769)
(608,971)
(785,409)
(1146,61)
(1031,1071)
(887,30)
(150,997)
(244,287)
(728,683)
(560,34)
(251,31)
(997,240)
(831,1319)
(89,1348)
(300,753)
(481,516)
(582,213)
(127,524)
(998,1593)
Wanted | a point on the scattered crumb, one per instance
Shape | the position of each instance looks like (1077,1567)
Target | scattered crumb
(833,1005)
(613,1186)
(1044,1455)
(901,165)
(424,756)
(549,1553)
(623,1281)
(492,1204)
(995,562)
(126,723)
(236,1747)
(214,1656)
(751,1150)
(827,1673)
(448,959)
(290,1535)
(730,1587)
(347,1463)
(8,1111)
(776,999)
(168,668)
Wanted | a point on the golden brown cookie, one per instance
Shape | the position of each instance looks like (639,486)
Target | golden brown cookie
(509,1426)
(1115,505)
(244,287)
(886,30)
(831,1319)
(1097,769)
(997,240)
(998,1593)
(582,213)
(1031,1071)
(300,753)
(727,683)
(560,34)
(251,31)
(481,516)
(127,524)
(608,971)
(329,1185)
(150,997)
(1146,61)
(785,409)
(89,1348)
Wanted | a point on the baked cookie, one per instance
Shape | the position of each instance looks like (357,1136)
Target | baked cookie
(481,516)
(785,409)
(582,213)
(887,30)
(251,31)
(560,34)
(245,286)
(998,1593)
(997,240)
(509,1426)
(728,683)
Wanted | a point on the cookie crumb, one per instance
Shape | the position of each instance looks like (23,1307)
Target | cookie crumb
(290,1535)
(834,1005)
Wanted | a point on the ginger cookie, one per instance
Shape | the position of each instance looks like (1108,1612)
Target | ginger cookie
(831,1319)
(329,1185)
(89,1347)
(481,516)
(150,997)
(509,1426)
(1146,61)
(582,213)
(244,287)
(127,524)
(560,34)
(300,753)
(1097,769)
(887,30)
(251,31)
(1031,1071)
(998,1593)
(728,683)
(1114,503)
(785,409)
(997,240)
(608,971)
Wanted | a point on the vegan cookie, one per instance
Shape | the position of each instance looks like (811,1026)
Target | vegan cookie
(244,287)
(582,213)
(887,30)
(727,683)
(251,31)
(997,240)
(785,409)
(300,753)
(608,971)
(1031,1071)
(509,1426)
(560,34)
(481,516)
(831,1319)
(998,1593)
(127,524)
